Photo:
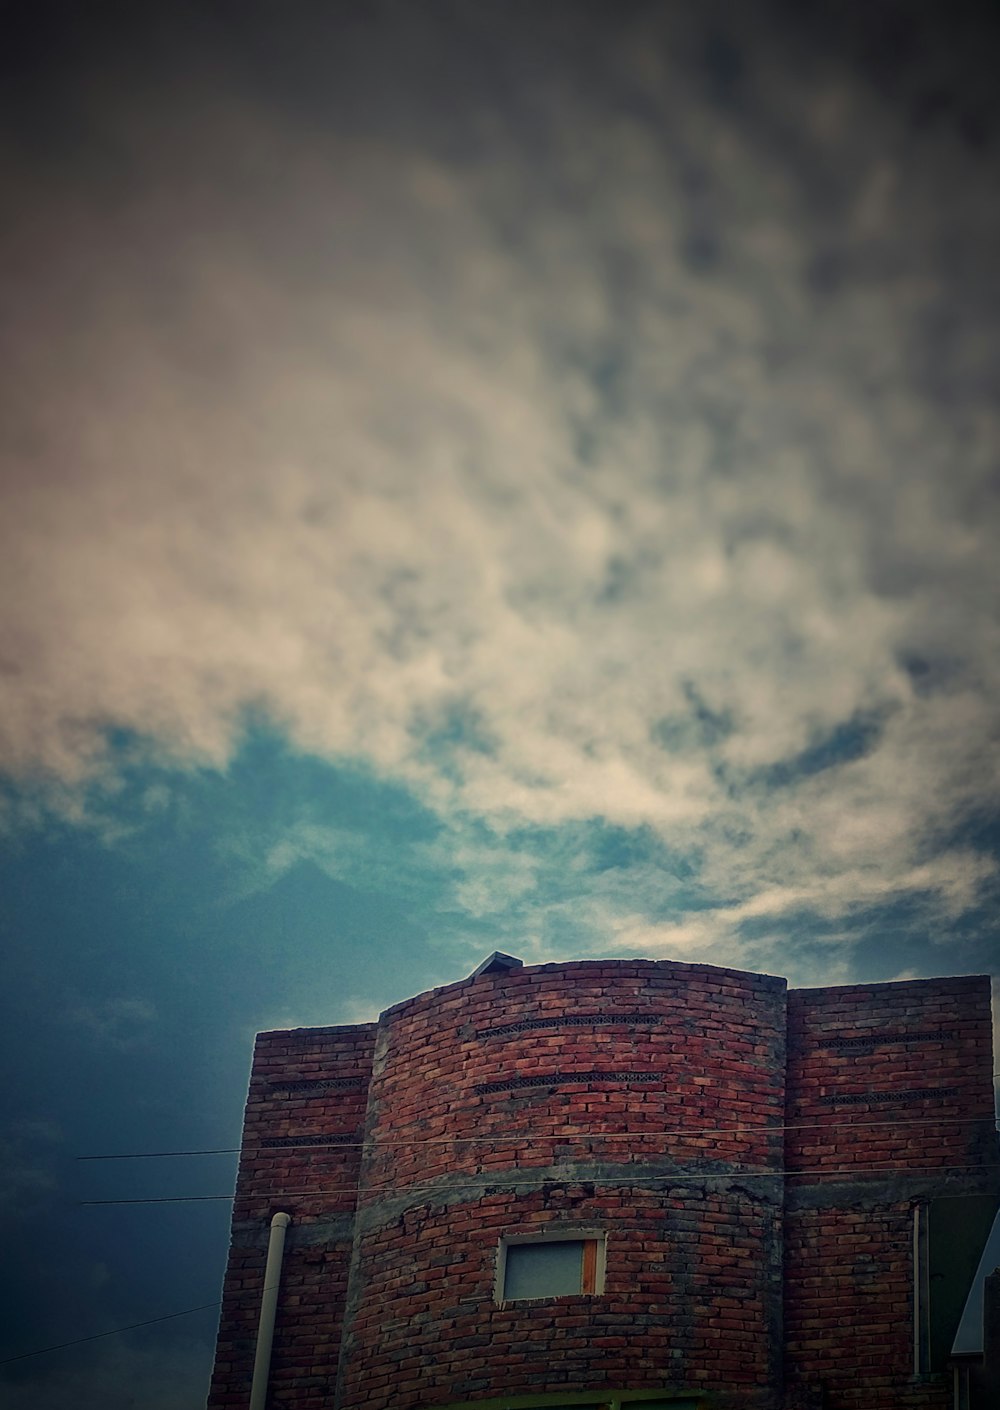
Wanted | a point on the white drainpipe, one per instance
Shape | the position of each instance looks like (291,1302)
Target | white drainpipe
(268,1307)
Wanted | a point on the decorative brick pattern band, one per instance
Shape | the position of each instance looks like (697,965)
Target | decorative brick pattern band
(911,1094)
(322,1084)
(347,1138)
(572,1020)
(560,1079)
(876,1040)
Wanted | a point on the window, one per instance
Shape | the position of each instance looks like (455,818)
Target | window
(564,1263)
(951,1240)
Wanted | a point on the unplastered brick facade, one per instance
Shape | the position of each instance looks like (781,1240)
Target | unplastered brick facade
(750,1162)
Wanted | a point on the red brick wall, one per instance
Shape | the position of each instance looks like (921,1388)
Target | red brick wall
(889,1092)
(644,1099)
(871,1067)
(307,1083)
(687,1301)
(626,1071)
(703,1047)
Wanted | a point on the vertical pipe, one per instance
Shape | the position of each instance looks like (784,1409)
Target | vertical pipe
(917,1309)
(268,1307)
(921,1290)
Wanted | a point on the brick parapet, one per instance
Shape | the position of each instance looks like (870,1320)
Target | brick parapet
(890,1074)
(617,1061)
(575,973)
(304,1123)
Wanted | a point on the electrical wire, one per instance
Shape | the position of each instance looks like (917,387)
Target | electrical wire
(59,1346)
(153,1155)
(487,1178)
(158,1199)
(379,1143)
(579,1178)
(132,1326)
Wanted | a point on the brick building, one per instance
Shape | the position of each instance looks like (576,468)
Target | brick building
(622,1183)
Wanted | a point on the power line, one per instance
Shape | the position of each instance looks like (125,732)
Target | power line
(160,1199)
(568,1136)
(59,1346)
(574,1177)
(579,1177)
(132,1326)
(153,1155)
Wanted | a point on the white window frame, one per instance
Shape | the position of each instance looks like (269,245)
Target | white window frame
(548,1234)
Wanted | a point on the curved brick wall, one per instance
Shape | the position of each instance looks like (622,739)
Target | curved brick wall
(687,1301)
(491,1072)
(571,1094)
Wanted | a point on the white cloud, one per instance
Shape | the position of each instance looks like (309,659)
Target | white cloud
(122,1023)
(497,445)
(356,1009)
(27,1176)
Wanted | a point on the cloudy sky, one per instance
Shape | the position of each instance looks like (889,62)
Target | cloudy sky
(475,475)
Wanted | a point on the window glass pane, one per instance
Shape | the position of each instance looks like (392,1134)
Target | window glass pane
(543,1270)
(959,1226)
(970,1332)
